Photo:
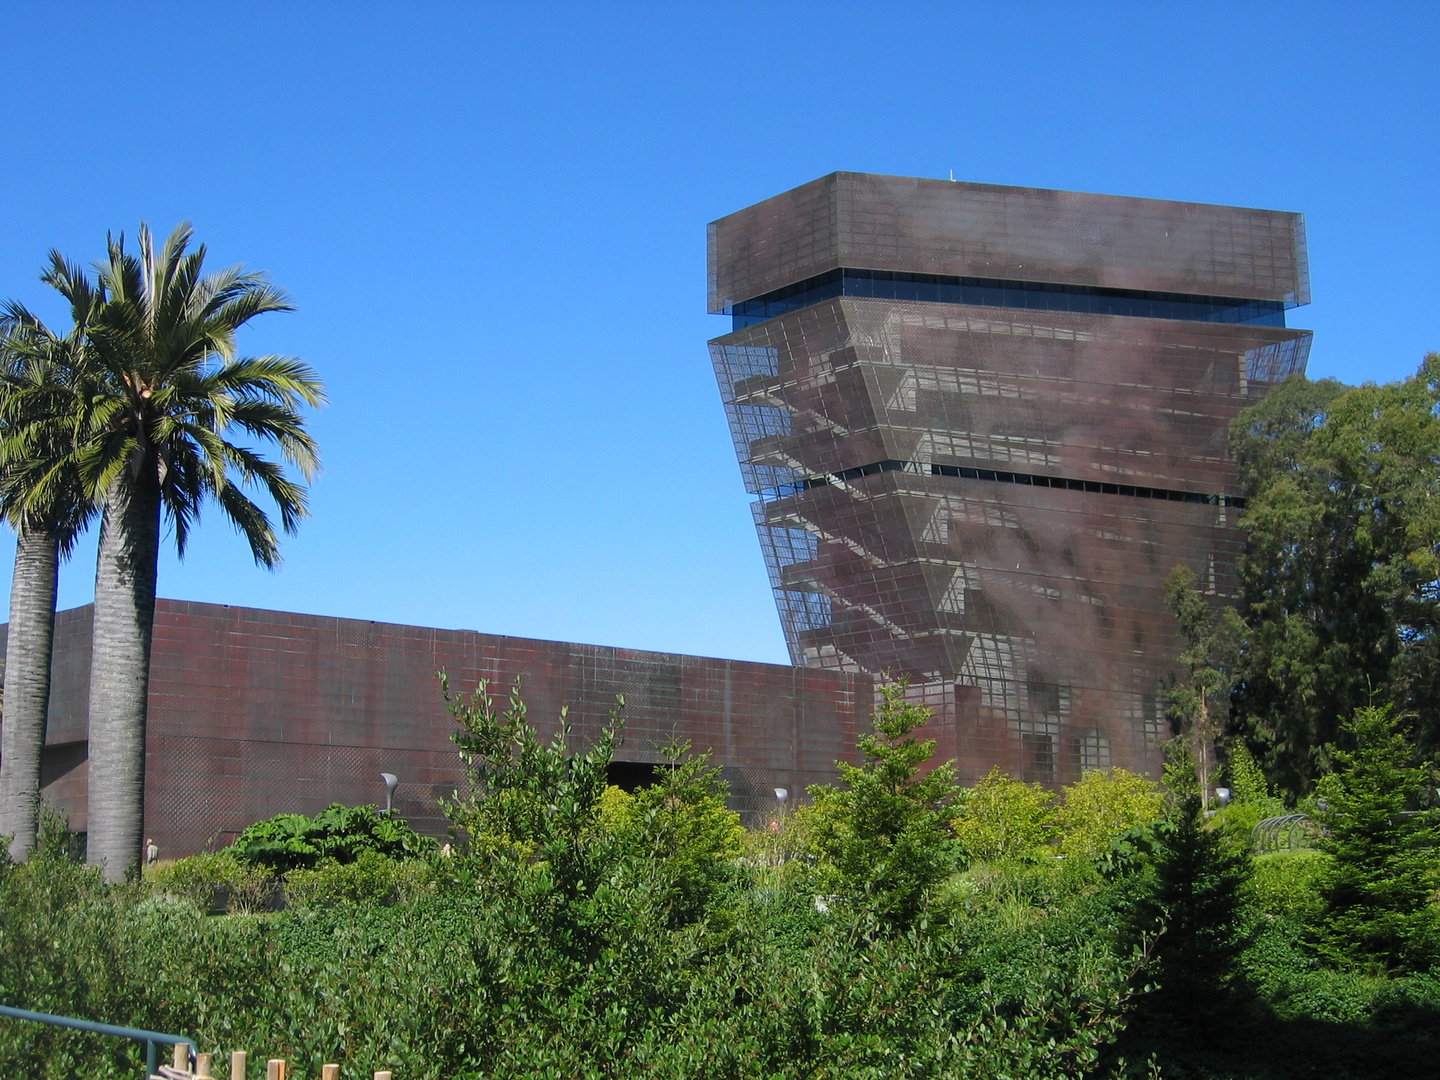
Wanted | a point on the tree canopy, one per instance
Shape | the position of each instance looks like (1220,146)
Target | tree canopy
(1339,582)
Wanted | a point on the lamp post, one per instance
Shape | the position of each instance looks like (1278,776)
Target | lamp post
(390,783)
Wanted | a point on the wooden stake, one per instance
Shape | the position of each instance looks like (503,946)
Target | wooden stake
(275,1069)
(237,1065)
(180,1059)
(383,1075)
(329,1072)
(202,1067)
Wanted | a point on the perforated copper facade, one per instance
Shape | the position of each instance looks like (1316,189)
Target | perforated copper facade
(254,713)
(984,499)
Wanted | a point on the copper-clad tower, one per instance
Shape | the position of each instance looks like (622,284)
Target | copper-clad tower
(983,424)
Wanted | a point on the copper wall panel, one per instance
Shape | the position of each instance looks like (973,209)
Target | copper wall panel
(986,230)
(254,713)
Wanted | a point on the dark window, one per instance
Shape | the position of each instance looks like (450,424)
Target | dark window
(631,776)
(966,472)
(1039,758)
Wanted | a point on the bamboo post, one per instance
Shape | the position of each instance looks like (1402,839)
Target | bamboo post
(180,1058)
(275,1069)
(203,1066)
(329,1072)
(237,1065)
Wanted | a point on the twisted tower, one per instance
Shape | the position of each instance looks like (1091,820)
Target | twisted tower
(983,424)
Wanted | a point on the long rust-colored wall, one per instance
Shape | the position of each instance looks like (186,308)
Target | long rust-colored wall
(254,713)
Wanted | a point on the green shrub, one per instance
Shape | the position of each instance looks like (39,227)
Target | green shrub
(340,833)
(371,878)
(682,839)
(211,879)
(1288,884)
(1248,785)
(1002,818)
(199,880)
(1101,806)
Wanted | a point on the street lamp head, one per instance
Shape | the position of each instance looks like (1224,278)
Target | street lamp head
(1223,794)
(781,795)
(391,782)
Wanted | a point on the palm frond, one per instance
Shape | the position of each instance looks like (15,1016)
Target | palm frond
(253,524)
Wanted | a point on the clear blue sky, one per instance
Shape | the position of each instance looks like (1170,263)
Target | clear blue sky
(492,218)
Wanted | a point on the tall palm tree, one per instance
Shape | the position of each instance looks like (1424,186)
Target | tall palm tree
(169,388)
(42,496)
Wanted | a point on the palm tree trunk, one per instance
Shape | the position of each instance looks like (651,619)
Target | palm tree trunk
(120,672)
(27,685)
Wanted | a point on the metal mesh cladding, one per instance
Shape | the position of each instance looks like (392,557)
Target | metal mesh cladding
(254,713)
(897,447)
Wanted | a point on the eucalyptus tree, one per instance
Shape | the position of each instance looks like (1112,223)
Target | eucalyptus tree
(170,392)
(1341,574)
(42,496)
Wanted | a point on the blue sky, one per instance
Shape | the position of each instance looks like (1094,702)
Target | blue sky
(492,219)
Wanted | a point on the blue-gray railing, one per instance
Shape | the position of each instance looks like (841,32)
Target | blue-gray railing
(150,1038)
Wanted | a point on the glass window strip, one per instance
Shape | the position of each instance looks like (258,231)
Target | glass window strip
(999,292)
(1002,476)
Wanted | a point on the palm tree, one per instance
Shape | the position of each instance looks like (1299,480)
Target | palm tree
(42,496)
(168,389)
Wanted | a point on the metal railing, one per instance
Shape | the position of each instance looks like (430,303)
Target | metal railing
(151,1039)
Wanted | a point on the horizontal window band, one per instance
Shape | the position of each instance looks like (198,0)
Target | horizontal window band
(965,472)
(1004,293)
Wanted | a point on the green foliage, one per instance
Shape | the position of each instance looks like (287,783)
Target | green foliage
(54,837)
(1288,884)
(883,837)
(339,833)
(1003,818)
(686,838)
(1190,906)
(615,803)
(531,824)
(1100,807)
(780,853)
(529,800)
(1384,862)
(1210,660)
(1179,777)
(217,878)
(1251,801)
(441,986)
(371,878)
(1248,784)
(1338,579)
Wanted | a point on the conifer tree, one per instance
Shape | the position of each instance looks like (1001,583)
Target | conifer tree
(884,836)
(1386,864)
(1191,908)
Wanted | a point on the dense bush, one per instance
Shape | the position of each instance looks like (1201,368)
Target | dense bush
(1287,884)
(208,880)
(339,833)
(371,878)
(1102,805)
(1003,818)
(456,983)
(579,931)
